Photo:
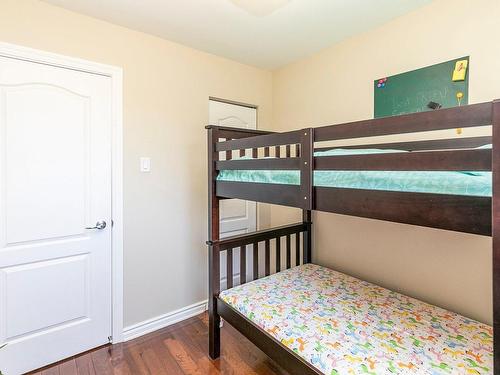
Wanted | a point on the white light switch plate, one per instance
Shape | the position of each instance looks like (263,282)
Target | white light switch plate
(145,164)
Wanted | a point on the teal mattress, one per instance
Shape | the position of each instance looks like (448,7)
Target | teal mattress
(457,183)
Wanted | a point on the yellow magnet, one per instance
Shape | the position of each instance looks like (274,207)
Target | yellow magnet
(460,70)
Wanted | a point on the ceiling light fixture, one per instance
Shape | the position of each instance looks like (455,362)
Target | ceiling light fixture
(260,8)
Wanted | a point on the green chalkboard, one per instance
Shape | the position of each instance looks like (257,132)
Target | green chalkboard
(412,91)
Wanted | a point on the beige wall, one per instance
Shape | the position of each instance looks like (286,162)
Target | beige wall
(448,269)
(166,90)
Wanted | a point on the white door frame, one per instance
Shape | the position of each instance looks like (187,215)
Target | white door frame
(116,76)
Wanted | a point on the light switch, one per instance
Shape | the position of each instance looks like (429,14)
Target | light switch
(145,164)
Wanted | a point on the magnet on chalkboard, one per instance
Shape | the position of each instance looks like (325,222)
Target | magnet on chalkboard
(434,105)
(460,71)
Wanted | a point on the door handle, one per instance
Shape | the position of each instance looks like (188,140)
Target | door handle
(101,224)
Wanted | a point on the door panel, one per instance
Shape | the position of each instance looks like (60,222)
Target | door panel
(236,216)
(29,175)
(55,173)
(45,283)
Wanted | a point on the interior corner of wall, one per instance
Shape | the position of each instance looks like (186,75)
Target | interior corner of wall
(263,216)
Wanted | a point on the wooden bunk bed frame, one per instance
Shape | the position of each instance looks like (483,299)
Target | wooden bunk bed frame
(294,150)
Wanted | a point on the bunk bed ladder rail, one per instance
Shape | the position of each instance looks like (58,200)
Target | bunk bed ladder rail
(496,233)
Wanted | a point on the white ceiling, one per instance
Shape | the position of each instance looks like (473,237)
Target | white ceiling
(264,33)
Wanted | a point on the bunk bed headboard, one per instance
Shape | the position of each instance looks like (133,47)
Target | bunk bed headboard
(299,140)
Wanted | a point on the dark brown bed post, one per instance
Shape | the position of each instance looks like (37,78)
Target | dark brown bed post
(213,249)
(307,240)
(495,168)
(306,181)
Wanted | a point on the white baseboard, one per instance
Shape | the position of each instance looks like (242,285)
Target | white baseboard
(162,321)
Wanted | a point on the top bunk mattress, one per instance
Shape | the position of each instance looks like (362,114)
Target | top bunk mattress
(343,325)
(457,183)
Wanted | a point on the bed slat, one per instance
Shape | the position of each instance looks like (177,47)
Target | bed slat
(278,254)
(255,261)
(243,265)
(229,153)
(267,258)
(297,249)
(229,268)
(259,164)
(288,252)
(306,237)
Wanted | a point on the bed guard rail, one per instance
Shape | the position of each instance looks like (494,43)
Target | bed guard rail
(264,151)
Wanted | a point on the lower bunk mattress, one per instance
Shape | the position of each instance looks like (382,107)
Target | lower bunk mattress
(343,325)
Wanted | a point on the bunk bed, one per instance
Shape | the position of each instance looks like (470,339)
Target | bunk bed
(312,320)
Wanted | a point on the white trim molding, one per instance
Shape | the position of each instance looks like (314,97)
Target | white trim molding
(165,320)
(116,76)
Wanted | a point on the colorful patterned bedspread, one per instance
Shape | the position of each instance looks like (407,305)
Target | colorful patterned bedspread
(343,325)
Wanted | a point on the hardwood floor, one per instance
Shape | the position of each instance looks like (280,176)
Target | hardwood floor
(176,350)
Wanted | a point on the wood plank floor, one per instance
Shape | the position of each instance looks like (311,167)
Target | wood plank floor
(176,350)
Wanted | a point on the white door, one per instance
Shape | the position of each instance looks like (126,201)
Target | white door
(237,216)
(55,173)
